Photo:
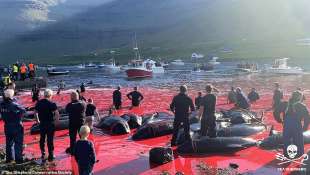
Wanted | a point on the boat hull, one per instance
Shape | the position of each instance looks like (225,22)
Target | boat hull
(290,71)
(139,73)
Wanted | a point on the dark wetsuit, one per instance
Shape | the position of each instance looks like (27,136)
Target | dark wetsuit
(135,97)
(12,115)
(46,109)
(198,101)
(85,156)
(293,129)
(232,97)
(117,99)
(253,96)
(35,94)
(90,110)
(181,105)
(82,88)
(277,105)
(76,111)
(242,101)
(208,117)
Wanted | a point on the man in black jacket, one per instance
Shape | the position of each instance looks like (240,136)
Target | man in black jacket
(181,105)
(117,98)
(76,110)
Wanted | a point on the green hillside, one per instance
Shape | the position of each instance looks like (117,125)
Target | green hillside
(175,28)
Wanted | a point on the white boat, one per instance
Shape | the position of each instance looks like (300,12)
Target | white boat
(214,61)
(177,62)
(280,67)
(156,67)
(80,66)
(197,56)
(101,65)
(90,65)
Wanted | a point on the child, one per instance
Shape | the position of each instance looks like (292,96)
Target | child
(84,152)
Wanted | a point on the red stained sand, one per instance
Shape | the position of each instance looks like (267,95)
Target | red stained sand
(120,155)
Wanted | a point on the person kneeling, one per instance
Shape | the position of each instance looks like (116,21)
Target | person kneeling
(84,152)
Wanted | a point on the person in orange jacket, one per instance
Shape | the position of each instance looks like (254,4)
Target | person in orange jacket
(23,72)
(32,68)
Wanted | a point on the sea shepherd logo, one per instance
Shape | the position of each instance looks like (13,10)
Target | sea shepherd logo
(292,153)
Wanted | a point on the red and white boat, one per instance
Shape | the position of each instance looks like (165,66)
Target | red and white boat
(139,69)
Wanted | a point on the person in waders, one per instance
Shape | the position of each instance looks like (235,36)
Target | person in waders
(296,113)
(207,113)
(117,98)
(198,100)
(136,97)
(277,103)
(231,98)
(35,93)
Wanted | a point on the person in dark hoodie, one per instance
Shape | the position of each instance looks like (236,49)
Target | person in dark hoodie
(296,113)
(253,96)
(242,101)
(84,152)
(135,96)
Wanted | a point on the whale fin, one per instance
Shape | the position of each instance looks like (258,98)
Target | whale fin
(271,130)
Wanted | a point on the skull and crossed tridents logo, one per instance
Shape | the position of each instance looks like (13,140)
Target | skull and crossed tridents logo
(292,151)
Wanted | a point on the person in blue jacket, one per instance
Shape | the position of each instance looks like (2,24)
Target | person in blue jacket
(293,129)
(12,114)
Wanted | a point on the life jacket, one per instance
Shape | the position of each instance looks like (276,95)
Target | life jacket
(15,69)
(31,67)
(6,80)
(23,69)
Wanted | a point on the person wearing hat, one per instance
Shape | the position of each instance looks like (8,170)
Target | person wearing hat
(277,103)
(117,98)
(207,113)
(181,106)
(12,114)
(295,121)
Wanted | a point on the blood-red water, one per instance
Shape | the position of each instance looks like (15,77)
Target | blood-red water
(121,155)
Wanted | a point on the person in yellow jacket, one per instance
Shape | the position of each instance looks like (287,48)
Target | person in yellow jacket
(6,80)
(15,72)
(23,72)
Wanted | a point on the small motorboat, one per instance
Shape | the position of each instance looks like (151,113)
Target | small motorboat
(247,68)
(213,61)
(196,56)
(280,67)
(177,62)
(53,72)
(90,65)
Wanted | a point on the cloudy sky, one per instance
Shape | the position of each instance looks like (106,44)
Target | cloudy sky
(34,13)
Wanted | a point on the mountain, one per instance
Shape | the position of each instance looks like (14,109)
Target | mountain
(75,30)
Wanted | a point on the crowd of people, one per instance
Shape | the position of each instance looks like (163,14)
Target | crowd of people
(293,114)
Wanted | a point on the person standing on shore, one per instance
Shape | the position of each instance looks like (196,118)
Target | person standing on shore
(135,96)
(23,72)
(231,98)
(181,106)
(293,129)
(61,86)
(91,113)
(82,88)
(198,100)
(35,92)
(207,113)
(76,110)
(12,114)
(117,98)
(84,152)
(253,96)
(47,115)
(32,69)
(15,72)
(242,101)
(277,103)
